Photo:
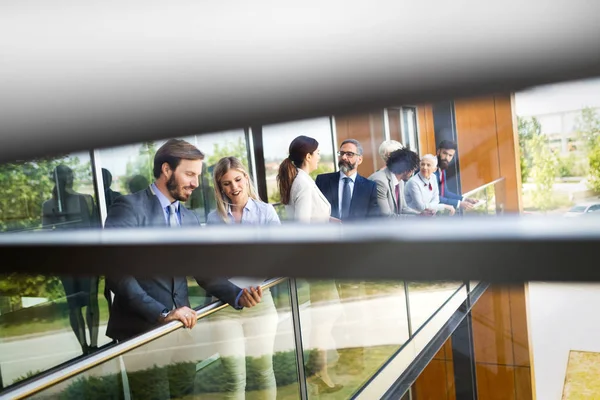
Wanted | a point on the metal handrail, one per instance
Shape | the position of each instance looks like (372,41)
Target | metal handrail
(52,378)
(482,187)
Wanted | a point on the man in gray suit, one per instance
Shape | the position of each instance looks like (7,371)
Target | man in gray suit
(141,304)
(400,166)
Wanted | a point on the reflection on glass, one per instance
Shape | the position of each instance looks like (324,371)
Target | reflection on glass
(425,298)
(277,139)
(222,351)
(352,327)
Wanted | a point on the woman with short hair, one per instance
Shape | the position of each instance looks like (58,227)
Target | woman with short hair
(421,191)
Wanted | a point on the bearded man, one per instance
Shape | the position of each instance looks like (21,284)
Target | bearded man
(352,197)
(143,303)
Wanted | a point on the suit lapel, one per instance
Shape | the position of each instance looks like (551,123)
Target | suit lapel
(187,218)
(156,215)
(356,193)
(388,176)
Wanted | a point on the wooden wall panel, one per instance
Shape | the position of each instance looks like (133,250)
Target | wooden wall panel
(523,388)
(436,382)
(495,382)
(509,151)
(501,343)
(477,142)
(520,334)
(369,131)
(492,333)
(425,129)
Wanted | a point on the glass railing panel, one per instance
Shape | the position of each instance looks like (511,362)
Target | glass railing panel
(425,298)
(349,330)
(230,354)
(48,320)
(490,199)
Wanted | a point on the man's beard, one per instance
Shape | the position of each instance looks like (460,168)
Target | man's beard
(443,164)
(346,166)
(175,191)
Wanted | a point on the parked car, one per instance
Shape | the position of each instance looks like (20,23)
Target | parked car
(584,209)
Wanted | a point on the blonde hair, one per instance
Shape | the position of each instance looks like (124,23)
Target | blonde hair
(221,168)
(387,147)
(430,157)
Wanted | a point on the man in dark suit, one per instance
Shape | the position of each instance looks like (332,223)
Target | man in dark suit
(141,304)
(445,153)
(351,196)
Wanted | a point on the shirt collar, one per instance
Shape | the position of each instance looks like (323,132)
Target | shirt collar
(394,179)
(164,202)
(423,178)
(352,177)
(250,206)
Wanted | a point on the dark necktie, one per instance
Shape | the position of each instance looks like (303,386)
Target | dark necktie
(398,198)
(346,197)
(442,176)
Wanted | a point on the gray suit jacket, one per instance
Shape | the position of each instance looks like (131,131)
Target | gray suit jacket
(386,195)
(139,301)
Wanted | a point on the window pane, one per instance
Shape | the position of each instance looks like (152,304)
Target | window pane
(131,166)
(277,139)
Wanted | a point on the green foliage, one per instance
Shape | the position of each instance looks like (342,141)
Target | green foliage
(572,165)
(543,171)
(594,171)
(182,380)
(528,129)
(25,187)
(229,149)
(140,171)
(588,129)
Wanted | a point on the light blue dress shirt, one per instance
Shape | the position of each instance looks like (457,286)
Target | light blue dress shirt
(164,202)
(254,213)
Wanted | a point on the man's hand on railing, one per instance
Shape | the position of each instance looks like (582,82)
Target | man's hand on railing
(251,297)
(183,314)
(466,205)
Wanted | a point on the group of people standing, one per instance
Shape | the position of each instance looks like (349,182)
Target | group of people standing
(140,304)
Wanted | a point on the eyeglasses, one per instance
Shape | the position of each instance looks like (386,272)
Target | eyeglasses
(347,153)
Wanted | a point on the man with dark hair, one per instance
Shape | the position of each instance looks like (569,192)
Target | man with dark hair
(445,153)
(351,196)
(141,304)
(400,166)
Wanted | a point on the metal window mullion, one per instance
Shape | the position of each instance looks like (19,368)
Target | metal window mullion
(295,305)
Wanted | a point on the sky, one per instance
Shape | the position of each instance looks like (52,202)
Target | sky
(567,96)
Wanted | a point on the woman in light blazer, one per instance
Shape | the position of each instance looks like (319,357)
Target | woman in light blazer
(305,203)
(299,193)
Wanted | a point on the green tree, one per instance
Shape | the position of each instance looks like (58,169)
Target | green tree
(528,128)
(228,149)
(588,129)
(544,168)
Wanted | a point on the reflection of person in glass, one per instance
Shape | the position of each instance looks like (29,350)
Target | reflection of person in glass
(68,209)
(306,203)
(137,183)
(109,194)
(251,331)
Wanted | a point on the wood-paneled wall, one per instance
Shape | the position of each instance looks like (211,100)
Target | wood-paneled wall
(426,130)
(436,382)
(500,339)
(368,129)
(488,145)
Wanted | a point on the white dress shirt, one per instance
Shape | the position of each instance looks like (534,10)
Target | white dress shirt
(341,187)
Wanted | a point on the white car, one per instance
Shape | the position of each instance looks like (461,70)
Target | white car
(584,209)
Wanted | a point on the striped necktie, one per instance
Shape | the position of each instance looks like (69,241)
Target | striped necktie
(173,222)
